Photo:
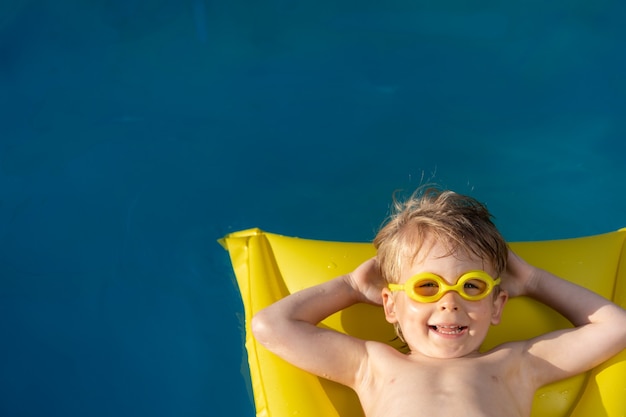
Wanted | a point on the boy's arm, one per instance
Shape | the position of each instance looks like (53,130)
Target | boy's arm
(289,329)
(599,332)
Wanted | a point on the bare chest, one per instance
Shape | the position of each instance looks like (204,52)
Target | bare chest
(444,388)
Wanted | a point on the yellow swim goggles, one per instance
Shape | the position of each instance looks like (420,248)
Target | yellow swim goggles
(427,287)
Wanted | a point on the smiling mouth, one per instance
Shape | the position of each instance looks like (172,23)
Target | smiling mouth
(448,329)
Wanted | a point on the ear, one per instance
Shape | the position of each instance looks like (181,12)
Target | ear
(389,305)
(498,306)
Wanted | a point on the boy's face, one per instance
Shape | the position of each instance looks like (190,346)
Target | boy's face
(451,327)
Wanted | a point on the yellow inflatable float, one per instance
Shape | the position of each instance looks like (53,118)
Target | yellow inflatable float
(270,266)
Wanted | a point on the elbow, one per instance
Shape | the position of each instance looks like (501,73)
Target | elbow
(261,327)
(269,328)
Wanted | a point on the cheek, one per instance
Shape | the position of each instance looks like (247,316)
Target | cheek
(482,313)
(411,312)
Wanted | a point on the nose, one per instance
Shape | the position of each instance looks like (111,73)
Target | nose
(449,301)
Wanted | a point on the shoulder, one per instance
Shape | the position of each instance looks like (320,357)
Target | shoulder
(378,358)
(377,351)
(507,354)
(508,348)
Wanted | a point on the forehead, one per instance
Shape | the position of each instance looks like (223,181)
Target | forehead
(443,259)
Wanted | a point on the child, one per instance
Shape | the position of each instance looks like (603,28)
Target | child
(443,274)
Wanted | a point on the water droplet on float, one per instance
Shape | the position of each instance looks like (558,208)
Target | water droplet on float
(332,265)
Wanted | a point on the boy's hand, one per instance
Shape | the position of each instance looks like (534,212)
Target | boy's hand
(368,282)
(519,276)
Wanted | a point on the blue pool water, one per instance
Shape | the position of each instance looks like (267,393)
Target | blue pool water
(135,133)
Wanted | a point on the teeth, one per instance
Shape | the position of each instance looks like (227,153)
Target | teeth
(448,329)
